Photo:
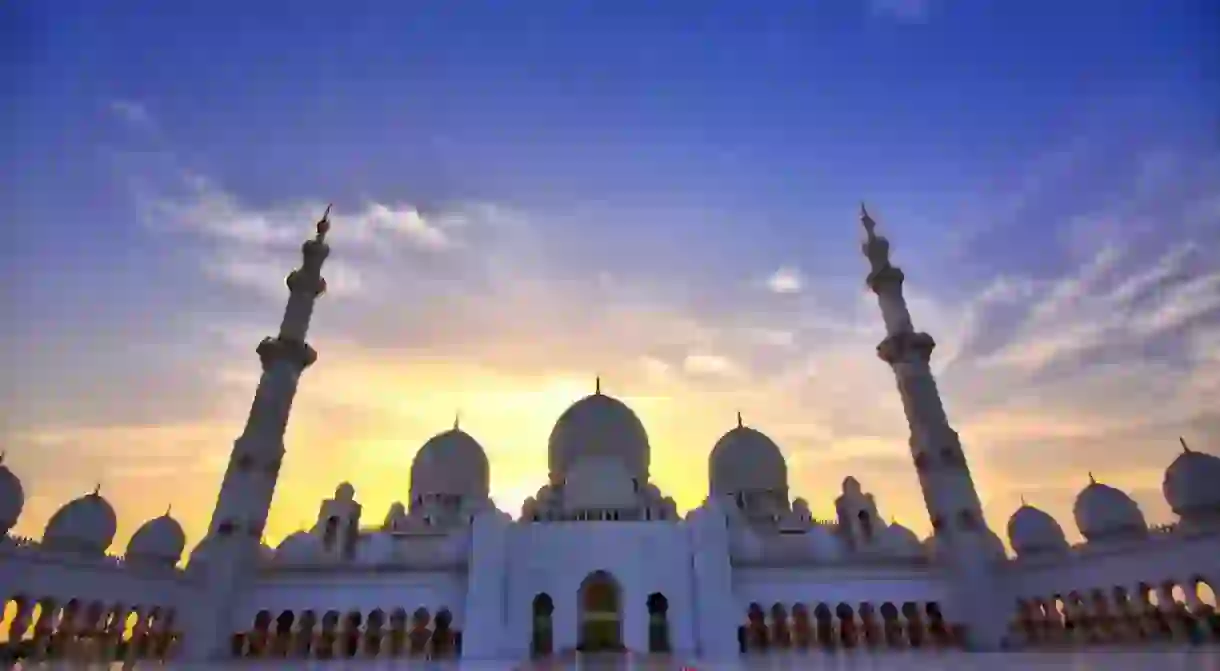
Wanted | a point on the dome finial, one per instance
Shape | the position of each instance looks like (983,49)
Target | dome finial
(169,508)
(324,224)
(2,453)
(1023,500)
(597,385)
(97,489)
(739,422)
(866,220)
(457,420)
(1185,447)
(1092,480)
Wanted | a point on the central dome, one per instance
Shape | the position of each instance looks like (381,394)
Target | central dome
(598,426)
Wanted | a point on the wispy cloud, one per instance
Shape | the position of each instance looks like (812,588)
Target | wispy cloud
(1046,375)
(131,112)
(786,280)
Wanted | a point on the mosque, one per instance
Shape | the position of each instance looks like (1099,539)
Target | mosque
(600,559)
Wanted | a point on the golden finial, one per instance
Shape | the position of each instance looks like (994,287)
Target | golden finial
(457,420)
(866,220)
(740,424)
(1185,447)
(597,385)
(1092,481)
(324,224)
(97,489)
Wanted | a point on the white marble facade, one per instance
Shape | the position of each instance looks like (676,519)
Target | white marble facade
(601,560)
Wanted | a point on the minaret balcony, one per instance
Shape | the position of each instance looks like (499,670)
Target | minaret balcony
(885,276)
(298,352)
(907,346)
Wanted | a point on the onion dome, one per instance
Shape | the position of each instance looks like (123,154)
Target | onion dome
(598,426)
(599,483)
(86,525)
(900,541)
(1103,512)
(1192,484)
(158,541)
(300,547)
(395,517)
(345,492)
(745,459)
(451,463)
(1032,531)
(12,498)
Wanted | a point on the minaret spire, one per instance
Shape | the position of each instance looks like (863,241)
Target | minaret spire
(944,477)
(240,516)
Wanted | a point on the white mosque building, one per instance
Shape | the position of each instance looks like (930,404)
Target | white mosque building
(601,559)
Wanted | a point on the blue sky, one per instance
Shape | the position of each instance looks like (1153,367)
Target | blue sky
(663,193)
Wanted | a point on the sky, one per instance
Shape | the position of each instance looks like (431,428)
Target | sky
(528,195)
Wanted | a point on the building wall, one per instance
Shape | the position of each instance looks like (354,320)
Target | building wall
(555,558)
(1178,559)
(37,575)
(833,585)
(350,590)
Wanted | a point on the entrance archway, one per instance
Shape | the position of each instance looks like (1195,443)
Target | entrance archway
(658,623)
(601,614)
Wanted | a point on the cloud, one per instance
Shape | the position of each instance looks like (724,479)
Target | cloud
(131,112)
(1046,372)
(786,280)
(709,364)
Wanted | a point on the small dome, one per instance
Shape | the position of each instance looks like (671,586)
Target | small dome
(1032,531)
(86,524)
(1190,485)
(345,492)
(599,483)
(451,463)
(300,547)
(901,542)
(1103,512)
(801,507)
(598,426)
(395,517)
(159,540)
(745,459)
(12,498)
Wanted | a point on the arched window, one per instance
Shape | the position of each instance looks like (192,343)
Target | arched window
(866,524)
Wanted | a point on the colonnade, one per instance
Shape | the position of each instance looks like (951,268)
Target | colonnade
(827,627)
(1142,615)
(336,635)
(82,632)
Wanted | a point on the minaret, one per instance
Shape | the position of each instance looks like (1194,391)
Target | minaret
(238,521)
(962,536)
